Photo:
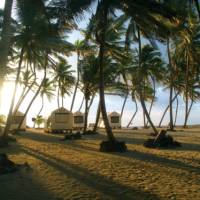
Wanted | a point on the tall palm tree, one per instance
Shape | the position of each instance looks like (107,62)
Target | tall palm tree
(5,40)
(46,90)
(89,81)
(81,48)
(63,78)
(147,63)
(148,10)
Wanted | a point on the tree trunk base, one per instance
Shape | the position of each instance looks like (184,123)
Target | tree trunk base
(162,140)
(113,146)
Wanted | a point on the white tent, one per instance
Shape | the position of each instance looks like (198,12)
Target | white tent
(60,120)
(114,119)
(78,120)
(16,119)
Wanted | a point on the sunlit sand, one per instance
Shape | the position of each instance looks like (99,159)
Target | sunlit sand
(77,170)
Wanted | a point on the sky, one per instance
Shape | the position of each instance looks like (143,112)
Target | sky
(113,103)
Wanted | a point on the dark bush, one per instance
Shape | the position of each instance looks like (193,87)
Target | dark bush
(162,140)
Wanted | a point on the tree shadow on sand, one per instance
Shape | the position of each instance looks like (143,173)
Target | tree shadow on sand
(98,182)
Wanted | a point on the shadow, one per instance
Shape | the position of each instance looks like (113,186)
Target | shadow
(98,182)
(147,157)
(190,147)
(22,185)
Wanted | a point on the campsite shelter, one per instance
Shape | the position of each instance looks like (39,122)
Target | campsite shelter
(60,120)
(78,120)
(114,119)
(16,119)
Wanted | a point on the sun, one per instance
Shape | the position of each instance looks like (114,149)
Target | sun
(6,95)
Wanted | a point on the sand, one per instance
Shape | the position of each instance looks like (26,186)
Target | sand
(77,170)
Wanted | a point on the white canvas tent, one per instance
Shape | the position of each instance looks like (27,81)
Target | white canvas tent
(60,120)
(16,119)
(114,119)
(78,120)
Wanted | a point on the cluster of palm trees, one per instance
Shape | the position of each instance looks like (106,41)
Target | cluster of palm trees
(119,53)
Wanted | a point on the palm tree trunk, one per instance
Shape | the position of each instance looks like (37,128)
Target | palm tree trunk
(62,101)
(42,106)
(5,41)
(36,94)
(8,122)
(86,114)
(134,114)
(24,96)
(176,113)
(97,117)
(144,119)
(124,103)
(19,100)
(189,110)
(91,102)
(81,104)
(140,90)
(154,95)
(167,110)
(102,27)
(58,97)
(77,82)
(126,97)
(186,92)
(171,125)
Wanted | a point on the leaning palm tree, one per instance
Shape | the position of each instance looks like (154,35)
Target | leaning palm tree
(187,51)
(152,11)
(147,64)
(64,79)
(5,40)
(89,81)
(46,90)
(81,48)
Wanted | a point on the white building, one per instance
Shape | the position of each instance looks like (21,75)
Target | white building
(60,120)
(114,119)
(78,120)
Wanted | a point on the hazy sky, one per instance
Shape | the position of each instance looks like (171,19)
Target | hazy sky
(113,103)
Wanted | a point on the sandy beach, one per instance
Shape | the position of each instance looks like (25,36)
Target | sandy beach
(77,170)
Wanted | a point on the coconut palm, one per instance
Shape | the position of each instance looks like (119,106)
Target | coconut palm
(148,10)
(46,90)
(89,81)
(187,51)
(81,48)
(5,39)
(63,78)
(151,65)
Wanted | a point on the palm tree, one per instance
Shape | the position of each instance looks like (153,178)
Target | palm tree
(81,48)
(5,40)
(46,90)
(147,63)
(186,47)
(89,81)
(64,79)
(148,10)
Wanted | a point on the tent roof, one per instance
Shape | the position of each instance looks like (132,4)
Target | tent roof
(18,113)
(78,113)
(114,114)
(61,110)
